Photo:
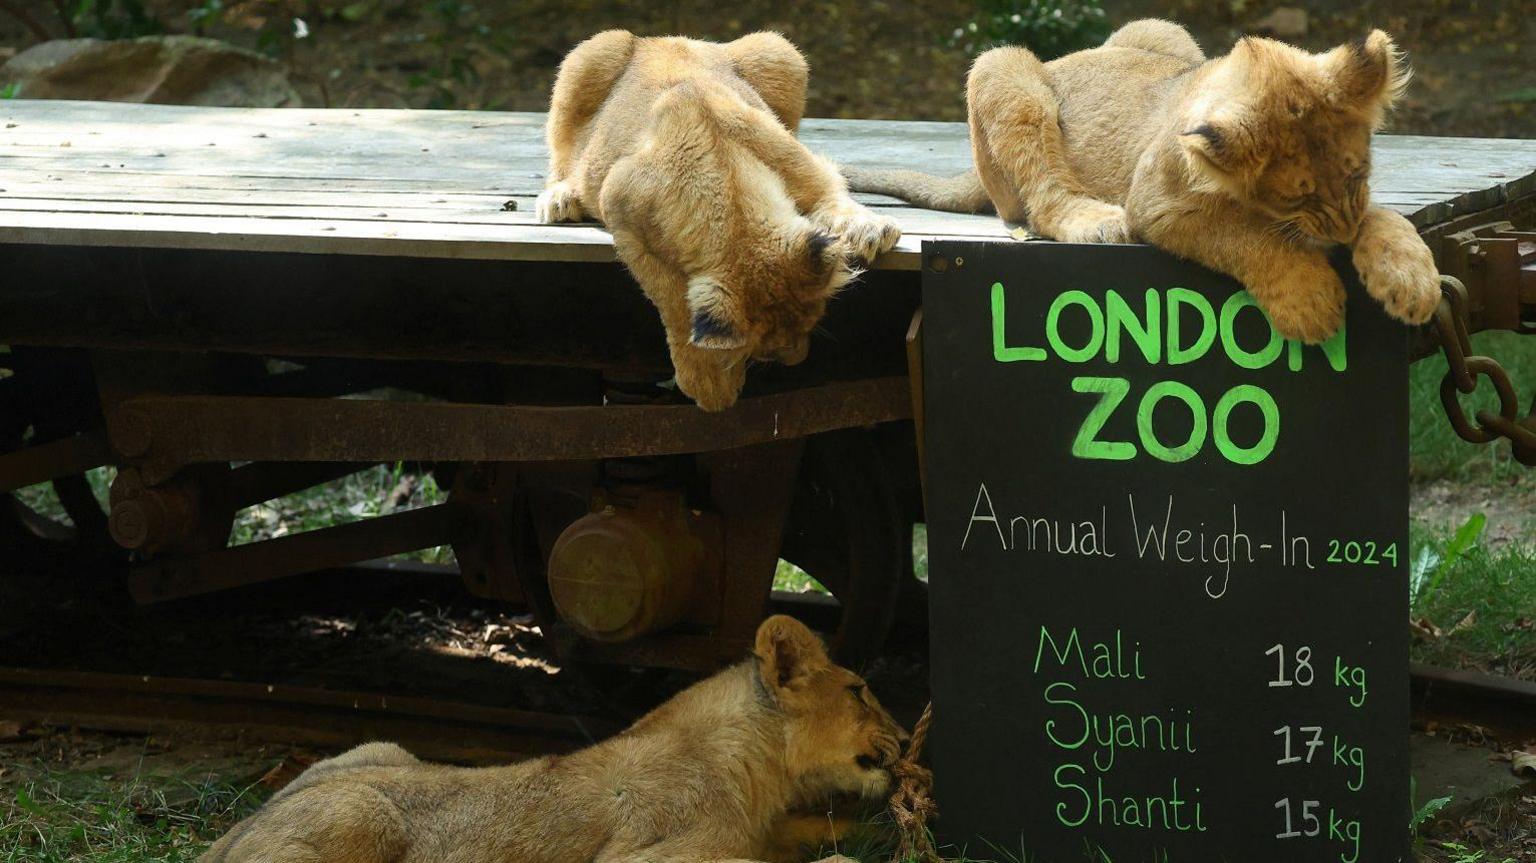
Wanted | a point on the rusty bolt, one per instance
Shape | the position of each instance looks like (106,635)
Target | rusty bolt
(131,523)
(151,518)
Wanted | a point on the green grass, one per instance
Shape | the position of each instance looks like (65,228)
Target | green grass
(85,817)
(1496,583)
(1497,588)
(1436,451)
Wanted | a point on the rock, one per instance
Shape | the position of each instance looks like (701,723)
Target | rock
(1285,22)
(167,70)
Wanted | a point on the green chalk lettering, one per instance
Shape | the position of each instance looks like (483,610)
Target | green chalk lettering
(1238,354)
(1087,444)
(1095,320)
(1179,354)
(1149,438)
(1000,350)
(1335,350)
(1144,332)
(1266,442)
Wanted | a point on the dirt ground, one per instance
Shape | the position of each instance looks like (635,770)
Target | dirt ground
(875,59)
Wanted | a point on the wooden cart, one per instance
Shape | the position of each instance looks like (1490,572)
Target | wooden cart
(230,305)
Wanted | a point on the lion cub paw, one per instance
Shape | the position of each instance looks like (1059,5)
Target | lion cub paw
(865,233)
(1092,221)
(1400,273)
(558,203)
(1309,307)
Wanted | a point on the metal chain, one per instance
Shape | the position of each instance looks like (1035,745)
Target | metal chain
(1461,378)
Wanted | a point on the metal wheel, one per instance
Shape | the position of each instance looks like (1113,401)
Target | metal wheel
(849,531)
(48,395)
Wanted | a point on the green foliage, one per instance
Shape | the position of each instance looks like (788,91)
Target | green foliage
(1422,815)
(1486,600)
(110,19)
(1050,28)
(1428,570)
(1462,854)
(9,90)
(451,67)
(1524,94)
(280,26)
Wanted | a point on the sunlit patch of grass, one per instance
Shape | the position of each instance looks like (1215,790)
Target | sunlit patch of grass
(793,579)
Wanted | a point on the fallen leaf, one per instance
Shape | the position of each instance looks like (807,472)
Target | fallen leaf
(1426,629)
(1464,624)
(284,772)
(1523,763)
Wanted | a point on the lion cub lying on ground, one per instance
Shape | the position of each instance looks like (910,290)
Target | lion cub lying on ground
(1252,164)
(736,232)
(711,775)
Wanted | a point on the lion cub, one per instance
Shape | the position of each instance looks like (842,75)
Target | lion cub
(1252,164)
(686,151)
(711,775)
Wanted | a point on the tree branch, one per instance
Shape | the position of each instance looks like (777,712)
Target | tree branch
(26,19)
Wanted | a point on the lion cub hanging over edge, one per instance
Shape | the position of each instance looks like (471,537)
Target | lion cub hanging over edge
(1252,164)
(711,775)
(736,232)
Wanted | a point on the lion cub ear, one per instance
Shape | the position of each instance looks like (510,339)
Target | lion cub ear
(788,653)
(1211,148)
(1368,74)
(712,328)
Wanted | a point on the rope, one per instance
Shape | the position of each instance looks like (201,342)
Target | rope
(912,803)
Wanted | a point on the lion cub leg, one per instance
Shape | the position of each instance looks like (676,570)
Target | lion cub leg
(1158,37)
(582,85)
(776,69)
(813,183)
(1396,267)
(1021,156)
(1294,284)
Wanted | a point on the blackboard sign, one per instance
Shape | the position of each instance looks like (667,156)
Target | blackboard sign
(1168,556)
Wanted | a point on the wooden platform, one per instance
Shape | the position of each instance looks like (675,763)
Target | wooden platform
(459,184)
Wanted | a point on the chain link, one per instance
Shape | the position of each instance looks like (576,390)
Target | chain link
(1461,378)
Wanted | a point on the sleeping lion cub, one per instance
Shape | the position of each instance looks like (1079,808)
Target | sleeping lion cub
(1252,164)
(711,775)
(686,151)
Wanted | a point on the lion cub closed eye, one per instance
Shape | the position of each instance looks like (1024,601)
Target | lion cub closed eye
(1252,164)
(686,151)
(716,773)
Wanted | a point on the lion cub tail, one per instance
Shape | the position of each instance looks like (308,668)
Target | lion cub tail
(962,193)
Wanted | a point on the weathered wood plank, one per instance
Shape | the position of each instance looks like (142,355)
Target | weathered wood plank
(918,221)
(433,183)
(574,243)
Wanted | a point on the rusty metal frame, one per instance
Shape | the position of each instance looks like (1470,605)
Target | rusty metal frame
(314,717)
(64,457)
(163,433)
(179,576)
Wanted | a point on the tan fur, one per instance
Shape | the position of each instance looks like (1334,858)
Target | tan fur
(716,774)
(1252,164)
(687,153)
